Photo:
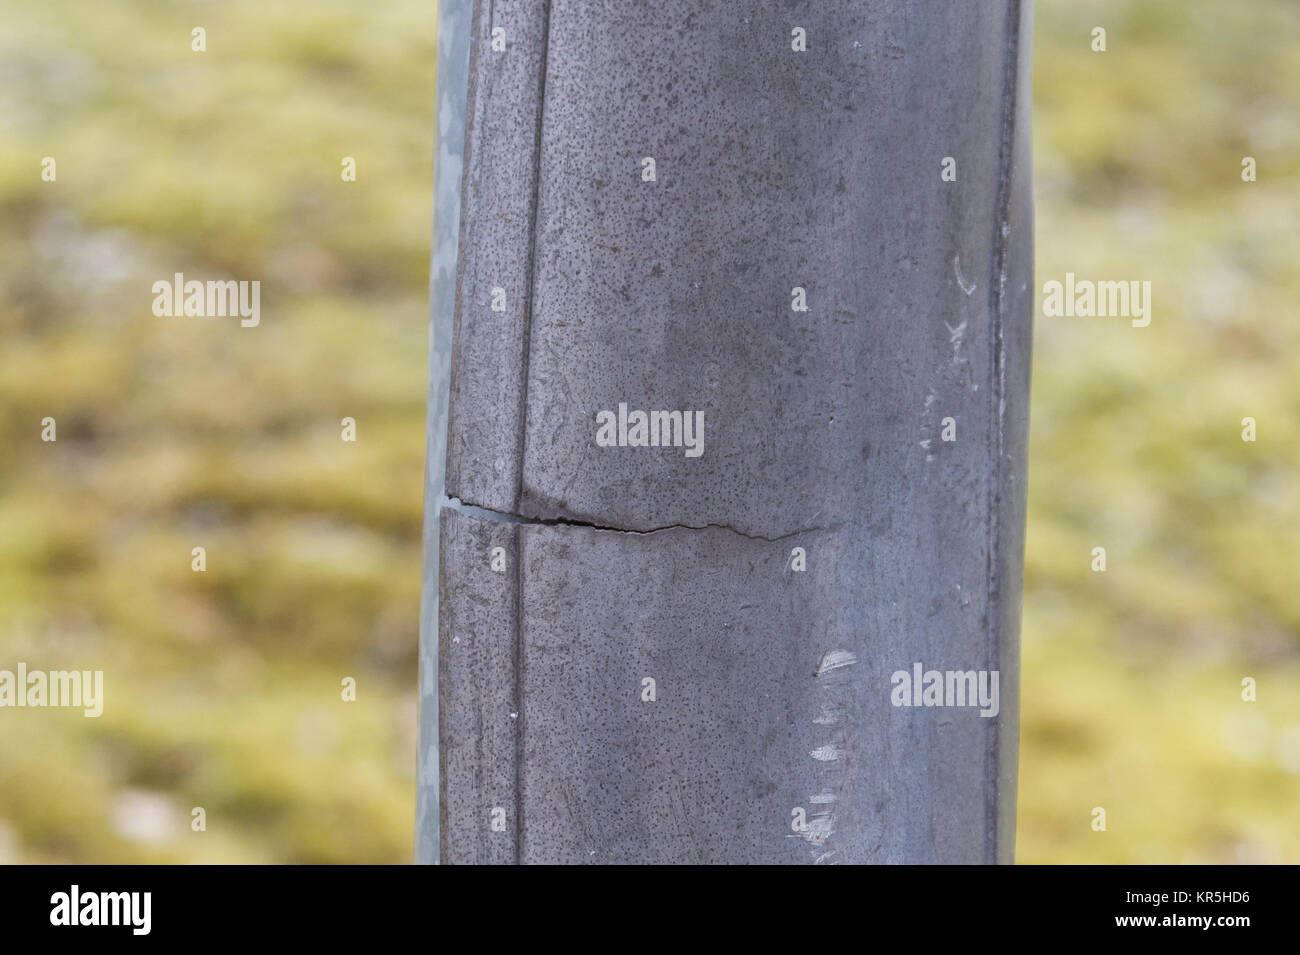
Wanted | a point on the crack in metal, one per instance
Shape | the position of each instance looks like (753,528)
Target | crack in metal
(502,517)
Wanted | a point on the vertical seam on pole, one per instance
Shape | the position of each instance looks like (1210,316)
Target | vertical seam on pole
(450,465)
(522,423)
(526,345)
(519,695)
(1001,226)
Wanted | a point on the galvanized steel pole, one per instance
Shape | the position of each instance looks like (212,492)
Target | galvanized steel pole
(731,338)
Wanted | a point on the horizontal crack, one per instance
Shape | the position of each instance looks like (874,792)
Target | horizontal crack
(502,517)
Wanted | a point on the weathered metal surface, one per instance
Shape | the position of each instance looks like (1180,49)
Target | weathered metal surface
(449,145)
(881,432)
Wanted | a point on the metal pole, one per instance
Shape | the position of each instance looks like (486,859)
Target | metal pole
(449,152)
(728,567)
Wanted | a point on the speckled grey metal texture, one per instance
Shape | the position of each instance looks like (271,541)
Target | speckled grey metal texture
(881,432)
(478,632)
(498,203)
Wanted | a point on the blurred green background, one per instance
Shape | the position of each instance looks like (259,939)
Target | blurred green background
(223,687)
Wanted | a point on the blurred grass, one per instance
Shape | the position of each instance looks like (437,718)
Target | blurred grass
(223,687)
(1132,678)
